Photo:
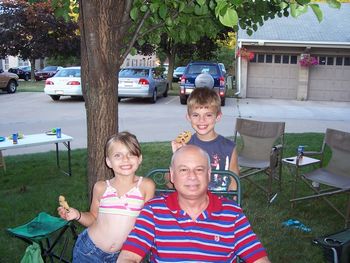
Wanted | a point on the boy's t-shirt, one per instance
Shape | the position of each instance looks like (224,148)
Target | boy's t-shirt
(220,151)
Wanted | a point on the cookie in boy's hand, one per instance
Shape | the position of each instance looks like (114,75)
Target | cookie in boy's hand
(183,137)
(62,201)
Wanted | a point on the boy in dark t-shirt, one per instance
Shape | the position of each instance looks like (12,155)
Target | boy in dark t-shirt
(203,112)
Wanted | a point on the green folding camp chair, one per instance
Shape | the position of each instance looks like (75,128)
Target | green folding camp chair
(50,233)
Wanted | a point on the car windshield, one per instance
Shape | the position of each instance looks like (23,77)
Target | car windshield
(134,72)
(24,67)
(180,69)
(68,72)
(198,69)
(50,68)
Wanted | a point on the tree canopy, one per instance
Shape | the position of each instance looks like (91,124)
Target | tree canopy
(32,31)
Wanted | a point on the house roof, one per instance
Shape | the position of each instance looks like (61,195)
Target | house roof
(333,29)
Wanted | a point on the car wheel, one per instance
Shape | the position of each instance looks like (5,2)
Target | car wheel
(26,77)
(55,97)
(154,96)
(11,86)
(223,101)
(183,101)
(165,94)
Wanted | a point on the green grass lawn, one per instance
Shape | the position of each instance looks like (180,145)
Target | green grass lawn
(32,184)
(30,86)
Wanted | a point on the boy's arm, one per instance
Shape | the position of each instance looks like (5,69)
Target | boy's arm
(234,168)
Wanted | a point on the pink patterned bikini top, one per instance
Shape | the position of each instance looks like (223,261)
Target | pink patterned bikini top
(130,204)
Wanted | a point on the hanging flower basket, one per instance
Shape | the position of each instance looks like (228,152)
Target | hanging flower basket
(245,54)
(307,61)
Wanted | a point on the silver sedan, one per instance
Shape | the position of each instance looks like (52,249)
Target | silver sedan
(142,82)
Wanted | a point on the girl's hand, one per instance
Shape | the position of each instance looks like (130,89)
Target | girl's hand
(70,214)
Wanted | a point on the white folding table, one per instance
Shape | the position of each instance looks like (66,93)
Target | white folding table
(41,139)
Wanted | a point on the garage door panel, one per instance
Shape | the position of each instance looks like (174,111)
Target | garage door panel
(272,80)
(329,83)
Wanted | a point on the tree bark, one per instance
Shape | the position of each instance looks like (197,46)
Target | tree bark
(100,63)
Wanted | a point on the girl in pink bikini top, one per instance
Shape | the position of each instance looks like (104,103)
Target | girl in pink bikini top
(115,203)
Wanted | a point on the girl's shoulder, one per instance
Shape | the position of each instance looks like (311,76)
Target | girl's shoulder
(100,186)
(146,182)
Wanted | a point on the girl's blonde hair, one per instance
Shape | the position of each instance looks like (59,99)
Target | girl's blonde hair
(126,138)
(203,97)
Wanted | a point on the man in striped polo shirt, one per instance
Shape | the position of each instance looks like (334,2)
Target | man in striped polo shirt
(191,224)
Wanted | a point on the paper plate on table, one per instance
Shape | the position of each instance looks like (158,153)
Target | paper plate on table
(2,139)
(50,133)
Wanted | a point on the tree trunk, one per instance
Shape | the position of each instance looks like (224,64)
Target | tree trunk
(32,66)
(171,58)
(100,63)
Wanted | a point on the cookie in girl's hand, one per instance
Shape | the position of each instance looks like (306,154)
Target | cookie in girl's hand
(62,202)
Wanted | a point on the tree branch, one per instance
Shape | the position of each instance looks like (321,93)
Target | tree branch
(134,38)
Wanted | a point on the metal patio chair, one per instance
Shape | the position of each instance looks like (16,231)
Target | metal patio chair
(333,178)
(260,152)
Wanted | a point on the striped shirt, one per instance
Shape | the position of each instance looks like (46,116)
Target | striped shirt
(219,234)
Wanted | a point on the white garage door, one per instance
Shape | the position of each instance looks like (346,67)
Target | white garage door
(330,80)
(273,76)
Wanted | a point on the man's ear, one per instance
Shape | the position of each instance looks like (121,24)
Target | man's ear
(209,174)
(108,162)
(171,175)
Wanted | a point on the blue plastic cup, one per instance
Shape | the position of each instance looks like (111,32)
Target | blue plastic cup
(58,133)
(15,138)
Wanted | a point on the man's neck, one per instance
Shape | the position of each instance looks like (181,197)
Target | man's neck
(194,207)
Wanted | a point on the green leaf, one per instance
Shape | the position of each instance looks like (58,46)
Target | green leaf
(317,11)
(181,6)
(168,21)
(141,42)
(163,10)
(201,2)
(296,10)
(334,3)
(200,10)
(182,35)
(133,51)
(154,7)
(144,8)
(134,13)
(230,18)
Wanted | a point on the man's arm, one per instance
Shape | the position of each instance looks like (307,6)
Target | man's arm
(129,257)
(262,260)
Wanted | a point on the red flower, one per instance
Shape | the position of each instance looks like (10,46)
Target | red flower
(245,54)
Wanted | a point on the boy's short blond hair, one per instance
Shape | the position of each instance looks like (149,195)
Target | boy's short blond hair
(204,97)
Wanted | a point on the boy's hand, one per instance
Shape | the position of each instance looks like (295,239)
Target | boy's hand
(176,145)
(181,140)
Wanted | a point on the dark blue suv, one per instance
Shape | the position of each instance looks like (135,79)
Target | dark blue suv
(193,69)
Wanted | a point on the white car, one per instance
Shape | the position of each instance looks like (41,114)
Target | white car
(66,82)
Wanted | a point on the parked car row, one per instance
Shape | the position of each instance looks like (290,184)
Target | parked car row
(24,72)
(134,82)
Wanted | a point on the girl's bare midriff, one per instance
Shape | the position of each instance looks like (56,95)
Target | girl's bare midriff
(110,231)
